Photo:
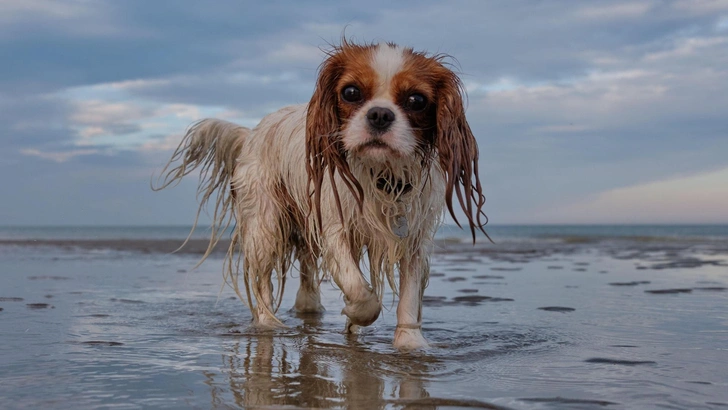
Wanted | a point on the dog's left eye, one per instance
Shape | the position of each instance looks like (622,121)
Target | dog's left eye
(416,102)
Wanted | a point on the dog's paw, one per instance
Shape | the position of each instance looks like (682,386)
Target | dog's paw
(351,328)
(264,320)
(308,302)
(363,311)
(409,339)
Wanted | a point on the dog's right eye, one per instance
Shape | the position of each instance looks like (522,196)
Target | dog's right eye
(351,94)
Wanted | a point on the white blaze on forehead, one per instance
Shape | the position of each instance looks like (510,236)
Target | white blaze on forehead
(387,61)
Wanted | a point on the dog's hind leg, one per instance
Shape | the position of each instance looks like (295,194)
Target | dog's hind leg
(308,298)
(264,250)
(414,271)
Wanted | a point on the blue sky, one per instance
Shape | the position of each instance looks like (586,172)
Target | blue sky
(585,112)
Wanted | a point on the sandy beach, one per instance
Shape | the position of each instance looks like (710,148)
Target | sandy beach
(556,323)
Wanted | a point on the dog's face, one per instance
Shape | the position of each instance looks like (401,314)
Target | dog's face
(385,103)
(385,107)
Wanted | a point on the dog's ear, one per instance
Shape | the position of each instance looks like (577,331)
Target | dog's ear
(458,153)
(325,151)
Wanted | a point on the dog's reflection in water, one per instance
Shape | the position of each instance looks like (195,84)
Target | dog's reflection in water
(305,371)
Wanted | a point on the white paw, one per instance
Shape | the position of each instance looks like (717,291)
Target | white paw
(352,328)
(264,320)
(308,302)
(409,339)
(363,311)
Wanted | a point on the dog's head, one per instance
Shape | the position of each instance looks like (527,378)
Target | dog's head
(384,103)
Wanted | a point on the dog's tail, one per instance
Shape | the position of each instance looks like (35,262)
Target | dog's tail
(215,146)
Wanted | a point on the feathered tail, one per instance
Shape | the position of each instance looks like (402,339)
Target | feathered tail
(214,145)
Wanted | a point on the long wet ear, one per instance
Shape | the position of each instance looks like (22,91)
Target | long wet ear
(324,148)
(458,154)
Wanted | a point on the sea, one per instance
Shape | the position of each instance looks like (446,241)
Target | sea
(536,317)
(448,231)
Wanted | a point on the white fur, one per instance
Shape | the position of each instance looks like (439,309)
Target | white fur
(387,61)
(268,191)
(399,137)
(264,228)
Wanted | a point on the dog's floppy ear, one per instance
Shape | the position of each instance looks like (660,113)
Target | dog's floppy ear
(325,151)
(458,154)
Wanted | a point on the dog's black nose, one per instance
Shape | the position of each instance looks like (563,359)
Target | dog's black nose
(380,118)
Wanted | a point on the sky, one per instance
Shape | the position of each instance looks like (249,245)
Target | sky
(584,112)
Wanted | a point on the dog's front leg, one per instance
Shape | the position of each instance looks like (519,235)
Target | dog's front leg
(413,274)
(362,303)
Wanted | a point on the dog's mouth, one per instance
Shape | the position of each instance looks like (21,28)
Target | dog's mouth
(375,143)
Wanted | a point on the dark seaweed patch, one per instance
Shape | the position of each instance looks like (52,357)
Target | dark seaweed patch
(475,299)
(668,291)
(38,305)
(711,289)
(633,283)
(564,400)
(602,360)
(434,300)
(102,343)
(560,309)
(126,301)
(6,299)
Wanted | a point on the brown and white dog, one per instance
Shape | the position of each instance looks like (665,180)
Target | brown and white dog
(363,171)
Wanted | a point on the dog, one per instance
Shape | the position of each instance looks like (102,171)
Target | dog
(361,175)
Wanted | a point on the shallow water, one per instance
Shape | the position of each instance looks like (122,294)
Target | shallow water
(522,326)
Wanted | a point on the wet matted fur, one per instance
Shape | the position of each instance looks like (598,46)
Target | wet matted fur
(359,176)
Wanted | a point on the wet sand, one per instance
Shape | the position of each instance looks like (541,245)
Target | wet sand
(574,323)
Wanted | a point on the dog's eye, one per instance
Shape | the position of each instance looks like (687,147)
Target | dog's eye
(416,102)
(351,94)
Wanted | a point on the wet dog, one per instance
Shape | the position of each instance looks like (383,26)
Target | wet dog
(362,173)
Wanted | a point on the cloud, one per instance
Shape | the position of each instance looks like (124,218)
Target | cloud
(61,156)
(568,100)
(700,6)
(615,11)
(692,199)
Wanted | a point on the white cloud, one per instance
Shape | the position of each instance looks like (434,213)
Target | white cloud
(81,18)
(688,47)
(296,53)
(695,199)
(167,143)
(15,9)
(58,156)
(185,112)
(700,6)
(615,11)
(97,112)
